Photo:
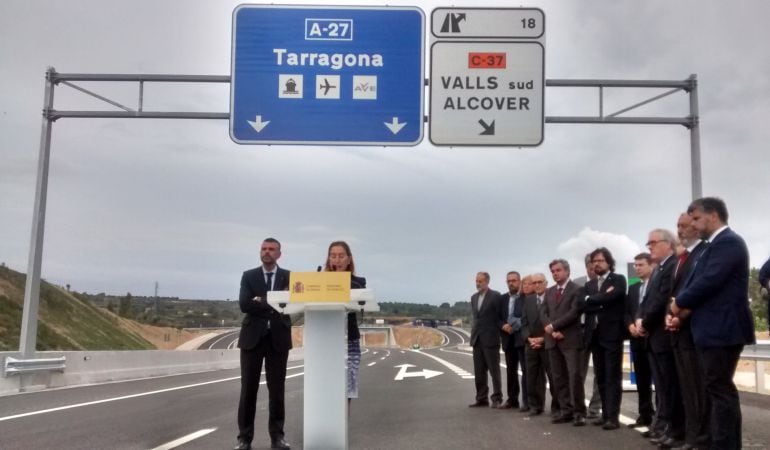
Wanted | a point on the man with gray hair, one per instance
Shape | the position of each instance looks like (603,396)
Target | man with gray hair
(668,430)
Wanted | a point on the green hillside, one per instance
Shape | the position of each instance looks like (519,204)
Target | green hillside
(65,323)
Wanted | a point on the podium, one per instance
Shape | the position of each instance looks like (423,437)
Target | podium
(325,416)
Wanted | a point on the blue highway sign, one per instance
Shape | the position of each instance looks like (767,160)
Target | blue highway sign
(327,75)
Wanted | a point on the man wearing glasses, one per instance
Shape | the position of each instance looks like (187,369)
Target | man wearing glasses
(668,430)
(605,307)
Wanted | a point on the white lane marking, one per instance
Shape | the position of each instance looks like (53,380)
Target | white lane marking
(460,335)
(402,373)
(386,356)
(185,439)
(459,371)
(224,335)
(126,397)
(371,364)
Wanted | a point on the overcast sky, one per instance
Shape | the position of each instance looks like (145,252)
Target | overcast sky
(132,202)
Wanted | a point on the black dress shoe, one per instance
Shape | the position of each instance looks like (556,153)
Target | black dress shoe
(562,419)
(579,421)
(242,445)
(670,442)
(536,412)
(648,434)
(507,405)
(598,422)
(593,415)
(524,408)
(478,404)
(640,422)
(495,405)
(611,425)
(280,443)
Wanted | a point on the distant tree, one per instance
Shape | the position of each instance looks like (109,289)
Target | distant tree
(758,303)
(111,307)
(125,306)
(445,305)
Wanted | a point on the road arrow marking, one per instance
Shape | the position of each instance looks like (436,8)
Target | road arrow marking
(395,126)
(402,373)
(258,125)
(489,130)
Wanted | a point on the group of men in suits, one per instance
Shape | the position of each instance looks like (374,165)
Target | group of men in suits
(687,319)
(546,332)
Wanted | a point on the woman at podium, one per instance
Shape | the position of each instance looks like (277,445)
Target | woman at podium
(340,259)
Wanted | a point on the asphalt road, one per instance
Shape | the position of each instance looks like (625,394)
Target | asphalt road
(227,340)
(423,408)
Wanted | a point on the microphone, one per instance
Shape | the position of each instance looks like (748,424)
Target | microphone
(319,269)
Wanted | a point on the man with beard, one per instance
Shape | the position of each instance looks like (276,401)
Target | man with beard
(265,336)
(513,344)
(716,291)
(605,307)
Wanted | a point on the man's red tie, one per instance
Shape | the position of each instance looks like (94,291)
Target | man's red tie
(558,294)
(680,263)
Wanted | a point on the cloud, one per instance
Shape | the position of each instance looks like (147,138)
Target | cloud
(574,249)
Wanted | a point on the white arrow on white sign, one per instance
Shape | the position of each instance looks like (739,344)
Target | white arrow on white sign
(395,126)
(258,125)
(425,373)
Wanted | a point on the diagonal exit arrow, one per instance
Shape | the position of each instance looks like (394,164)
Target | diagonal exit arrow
(258,125)
(489,130)
(395,126)
(425,373)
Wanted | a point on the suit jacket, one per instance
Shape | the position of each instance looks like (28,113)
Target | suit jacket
(632,308)
(258,312)
(564,315)
(605,308)
(717,292)
(655,304)
(680,275)
(512,340)
(487,323)
(683,337)
(531,325)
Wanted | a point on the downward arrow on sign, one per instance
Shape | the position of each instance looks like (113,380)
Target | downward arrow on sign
(395,126)
(489,130)
(258,125)
(425,373)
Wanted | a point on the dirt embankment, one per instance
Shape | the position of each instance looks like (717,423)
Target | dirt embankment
(163,338)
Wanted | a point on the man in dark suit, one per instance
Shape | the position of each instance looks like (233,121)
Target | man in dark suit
(488,320)
(533,289)
(605,306)
(564,341)
(595,404)
(513,344)
(265,335)
(668,430)
(716,291)
(638,344)
(685,355)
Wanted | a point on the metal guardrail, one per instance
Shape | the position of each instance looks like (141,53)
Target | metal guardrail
(13,366)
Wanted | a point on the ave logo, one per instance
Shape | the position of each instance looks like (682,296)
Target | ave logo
(365,87)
